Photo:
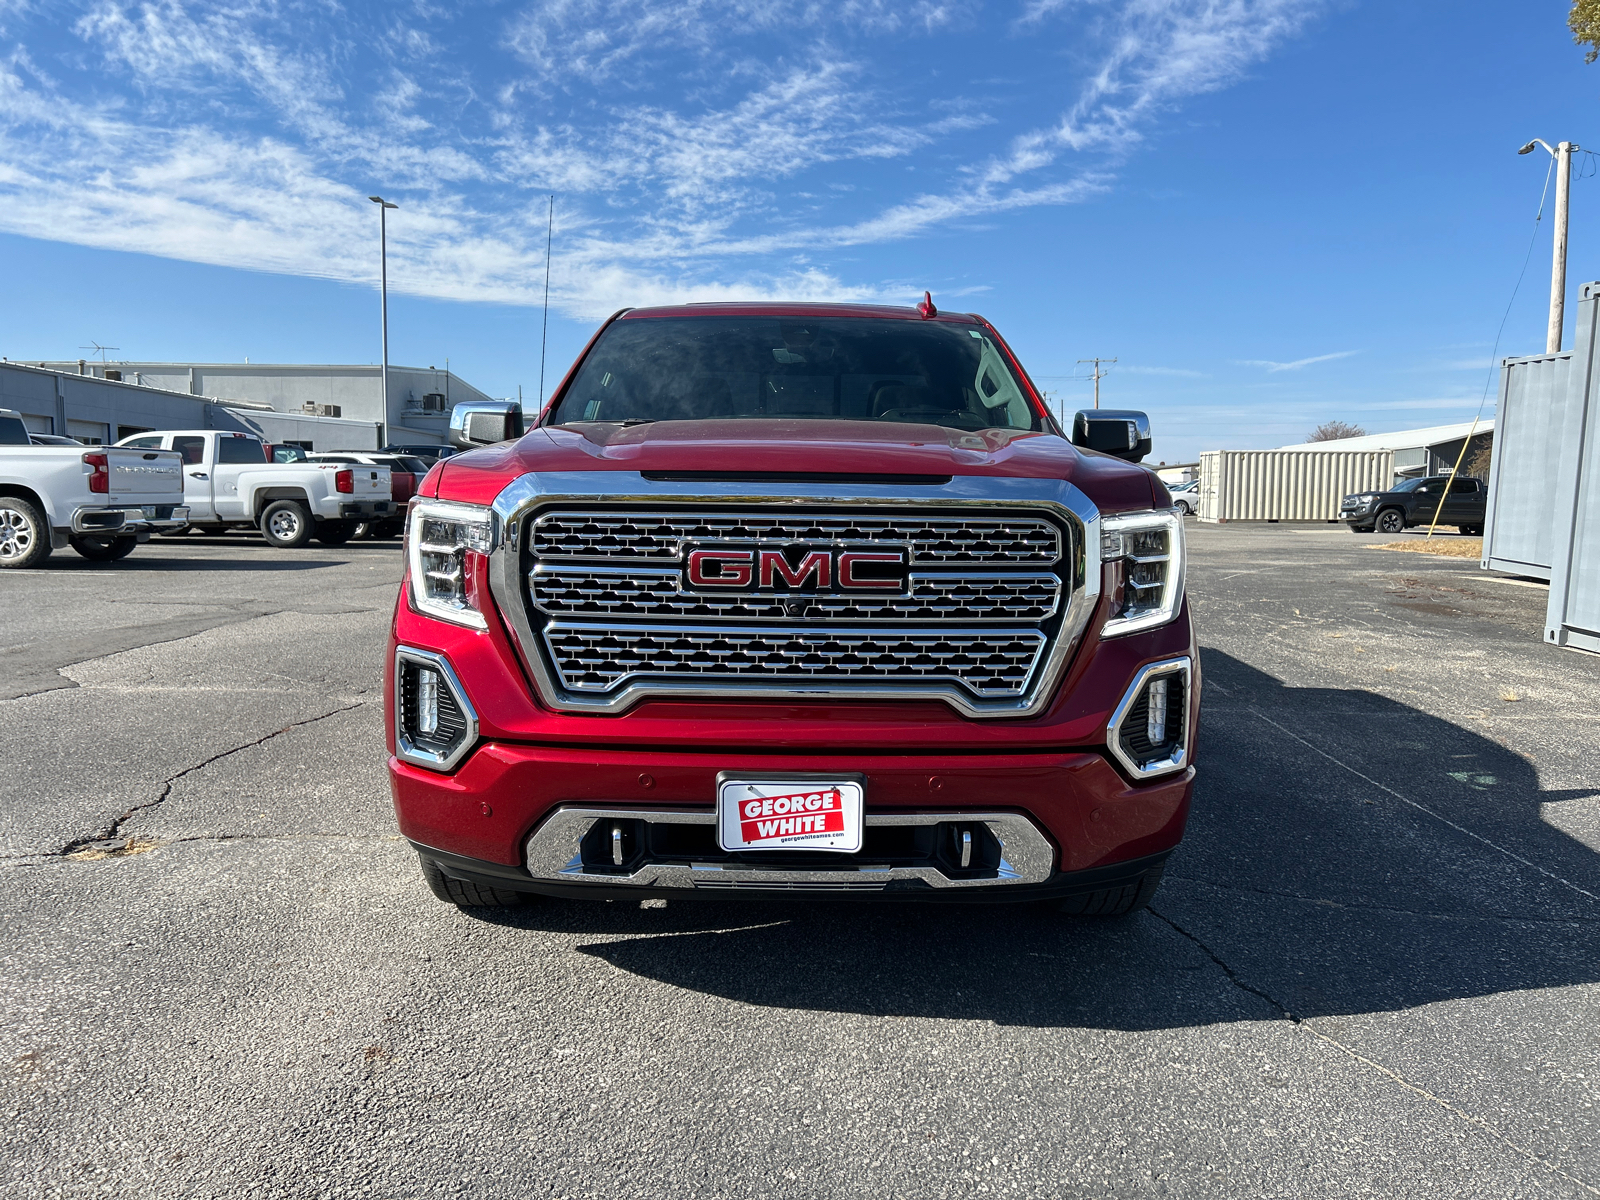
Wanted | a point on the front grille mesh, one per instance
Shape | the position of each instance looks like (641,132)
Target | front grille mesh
(933,540)
(997,664)
(653,593)
(984,595)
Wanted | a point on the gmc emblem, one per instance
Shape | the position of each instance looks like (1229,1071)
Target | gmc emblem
(794,569)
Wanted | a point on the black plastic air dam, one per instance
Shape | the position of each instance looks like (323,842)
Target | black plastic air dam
(1061,885)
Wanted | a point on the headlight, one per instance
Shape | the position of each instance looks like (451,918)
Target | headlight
(1149,548)
(445,542)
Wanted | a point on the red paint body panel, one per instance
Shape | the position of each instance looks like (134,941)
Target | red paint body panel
(1091,814)
(531,758)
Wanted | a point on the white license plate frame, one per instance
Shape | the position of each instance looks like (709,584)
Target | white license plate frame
(821,811)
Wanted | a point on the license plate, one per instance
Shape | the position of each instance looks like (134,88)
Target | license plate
(797,813)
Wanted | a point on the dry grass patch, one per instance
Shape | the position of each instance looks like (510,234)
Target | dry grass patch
(1450,547)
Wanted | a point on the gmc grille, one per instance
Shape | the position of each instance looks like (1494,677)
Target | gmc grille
(971,616)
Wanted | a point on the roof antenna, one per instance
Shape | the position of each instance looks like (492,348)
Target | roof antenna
(926,308)
(544,333)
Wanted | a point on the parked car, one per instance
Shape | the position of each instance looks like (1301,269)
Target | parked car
(1414,502)
(100,500)
(405,472)
(1186,497)
(428,454)
(286,452)
(795,601)
(229,483)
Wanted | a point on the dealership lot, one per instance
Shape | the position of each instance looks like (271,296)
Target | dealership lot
(1372,970)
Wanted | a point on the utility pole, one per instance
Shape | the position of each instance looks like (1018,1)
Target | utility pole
(383,289)
(1098,374)
(1558,258)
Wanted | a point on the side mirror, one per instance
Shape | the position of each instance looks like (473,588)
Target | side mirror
(485,422)
(1121,432)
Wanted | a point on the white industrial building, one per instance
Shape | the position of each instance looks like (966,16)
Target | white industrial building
(99,411)
(416,409)
(1431,451)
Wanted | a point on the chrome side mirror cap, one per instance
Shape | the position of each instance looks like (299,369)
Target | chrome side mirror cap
(1121,432)
(484,423)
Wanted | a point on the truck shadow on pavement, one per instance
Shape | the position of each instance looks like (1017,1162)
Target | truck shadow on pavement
(1346,854)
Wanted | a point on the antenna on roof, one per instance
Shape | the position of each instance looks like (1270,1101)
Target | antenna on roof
(544,333)
(94,345)
(926,308)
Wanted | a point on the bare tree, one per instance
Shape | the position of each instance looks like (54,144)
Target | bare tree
(1584,21)
(1337,431)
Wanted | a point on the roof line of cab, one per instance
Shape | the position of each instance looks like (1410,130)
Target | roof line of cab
(757,308)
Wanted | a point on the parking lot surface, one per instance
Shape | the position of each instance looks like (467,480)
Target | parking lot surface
(1372,969)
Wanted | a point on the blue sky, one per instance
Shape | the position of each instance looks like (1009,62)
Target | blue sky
(1272,212)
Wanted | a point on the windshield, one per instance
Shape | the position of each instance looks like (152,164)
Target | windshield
(1409,485)
(864,369)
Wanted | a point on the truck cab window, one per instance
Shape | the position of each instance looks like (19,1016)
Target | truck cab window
(240,450)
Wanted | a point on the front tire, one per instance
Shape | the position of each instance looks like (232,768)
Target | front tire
(1183,507)
(467,895)
(1391,520)
(1116,901)
(24,535)
(286,524)
(98,547)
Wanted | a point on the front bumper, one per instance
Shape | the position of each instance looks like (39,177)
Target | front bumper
(517,816)
(148,518)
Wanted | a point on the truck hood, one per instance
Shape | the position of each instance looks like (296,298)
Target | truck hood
(742,449)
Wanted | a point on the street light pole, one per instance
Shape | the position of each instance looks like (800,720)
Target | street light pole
(1558,257)
(383,291)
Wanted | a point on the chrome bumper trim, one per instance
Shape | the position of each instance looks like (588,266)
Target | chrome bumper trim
(139,520)
(552,855)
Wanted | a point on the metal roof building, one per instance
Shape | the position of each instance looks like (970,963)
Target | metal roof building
(1430,451)
(417,408)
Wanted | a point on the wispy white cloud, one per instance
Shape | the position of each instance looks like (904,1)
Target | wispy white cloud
(1176,372)
(700,148)
(1297,364)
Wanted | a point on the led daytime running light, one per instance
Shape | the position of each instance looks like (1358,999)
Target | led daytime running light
(439,534)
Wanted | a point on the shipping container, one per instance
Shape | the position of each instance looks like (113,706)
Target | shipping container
(1287,485)
(1572,617)
(1531,421)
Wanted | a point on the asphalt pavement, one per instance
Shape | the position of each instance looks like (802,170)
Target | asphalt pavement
(1372,969)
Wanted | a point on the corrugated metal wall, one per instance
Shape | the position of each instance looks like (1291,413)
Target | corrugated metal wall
(1573,615)
(1287,485)
(1531,419)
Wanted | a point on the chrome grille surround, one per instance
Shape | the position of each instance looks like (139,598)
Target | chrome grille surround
(1011,653)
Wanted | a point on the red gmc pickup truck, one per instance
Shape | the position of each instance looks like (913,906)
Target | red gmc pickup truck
(794,600)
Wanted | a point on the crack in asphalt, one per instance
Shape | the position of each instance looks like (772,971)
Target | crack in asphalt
(114,828)
(1393,1076)
(1386,908)
(1420,807)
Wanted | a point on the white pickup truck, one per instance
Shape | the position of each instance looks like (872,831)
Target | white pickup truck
(229,480)
(100,500)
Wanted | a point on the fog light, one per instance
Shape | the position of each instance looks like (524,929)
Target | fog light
(1155,721)
(428,701)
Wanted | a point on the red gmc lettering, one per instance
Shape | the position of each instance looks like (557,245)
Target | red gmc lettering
(733,568)
(847,563)
(816,563)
